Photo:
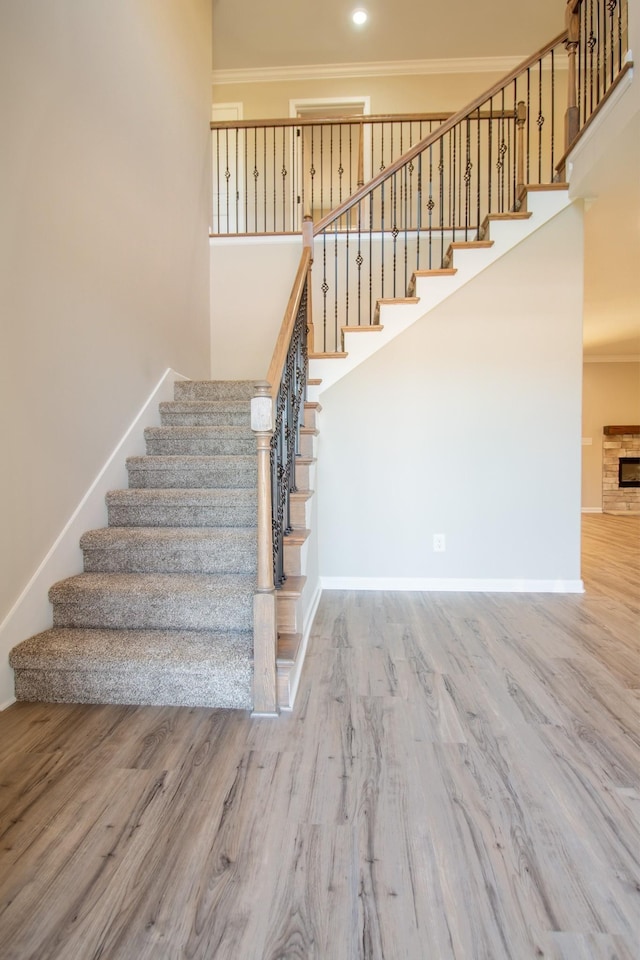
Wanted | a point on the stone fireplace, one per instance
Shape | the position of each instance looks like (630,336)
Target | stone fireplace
(621,455)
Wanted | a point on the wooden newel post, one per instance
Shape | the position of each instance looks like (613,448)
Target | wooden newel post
(265,633)
(521,119)
(572,116)
(307,241)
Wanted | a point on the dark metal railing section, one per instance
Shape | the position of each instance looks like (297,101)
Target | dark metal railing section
(285,443)
(603,44)
(269,174)
(476,163)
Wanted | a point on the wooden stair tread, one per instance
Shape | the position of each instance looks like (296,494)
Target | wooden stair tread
(297,537)
(288,647)
(310,431)
(391,300)
(312,404)
(470,244)
(291,588)
(515,215)
(302,495)
(442,272)
(314,381)
(534,187)
(326,356)
(363,328)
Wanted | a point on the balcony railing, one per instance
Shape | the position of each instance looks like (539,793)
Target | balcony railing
(269,174)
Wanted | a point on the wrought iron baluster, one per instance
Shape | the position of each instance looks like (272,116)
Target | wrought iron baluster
(325,290)
(346,286)
(553,117)
(283,173)
(335,285)
(359,262)
(256,174)
(478,167)
(371,258)
(441,169)
(264,168)
(218,182)
(467,178)
(540,121)
(272,132)
(285,442)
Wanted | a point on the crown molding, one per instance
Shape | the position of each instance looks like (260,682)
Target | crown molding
(616,358)
(381,68)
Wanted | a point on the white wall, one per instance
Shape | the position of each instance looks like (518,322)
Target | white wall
(250,286)
(611,395)
(468,424)
(105,197)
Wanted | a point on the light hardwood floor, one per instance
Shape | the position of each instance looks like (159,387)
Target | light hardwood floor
(459,779)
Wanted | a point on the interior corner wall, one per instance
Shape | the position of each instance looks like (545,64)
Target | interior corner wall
(402,94)
(467,425)
(105,194)
(611,395)
(251,282)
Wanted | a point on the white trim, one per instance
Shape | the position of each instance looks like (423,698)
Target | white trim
(313,106)
(7,703)
(234,105)
(31,612)
(428,584)
(255,239)
(617,358)
(294,676)
(379,68)
(592,510)
(594,129)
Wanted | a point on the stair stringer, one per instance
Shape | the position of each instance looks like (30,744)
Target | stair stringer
(430,291)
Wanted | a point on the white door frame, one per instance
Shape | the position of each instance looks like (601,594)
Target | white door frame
(333,107)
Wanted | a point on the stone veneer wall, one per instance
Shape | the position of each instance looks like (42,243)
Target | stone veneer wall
(617,499)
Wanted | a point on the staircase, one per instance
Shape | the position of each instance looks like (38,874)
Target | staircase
(163,613)
(463,261)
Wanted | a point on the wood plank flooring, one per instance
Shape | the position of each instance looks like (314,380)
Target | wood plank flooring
(459,779)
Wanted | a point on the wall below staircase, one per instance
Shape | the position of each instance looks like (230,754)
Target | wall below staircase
(105,192)
(468,425)
(251,281)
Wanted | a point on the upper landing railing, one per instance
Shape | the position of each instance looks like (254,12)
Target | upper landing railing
(269,174)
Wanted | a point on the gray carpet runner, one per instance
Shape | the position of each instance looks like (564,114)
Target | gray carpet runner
(163,611)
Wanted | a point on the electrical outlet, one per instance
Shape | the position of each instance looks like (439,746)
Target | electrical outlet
(439,543)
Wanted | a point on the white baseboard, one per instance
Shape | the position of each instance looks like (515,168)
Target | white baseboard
(433,584)
(592,509)
(31,612)
(7,703)
(294,676)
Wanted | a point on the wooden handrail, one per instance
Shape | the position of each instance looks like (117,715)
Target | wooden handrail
(284,337)
(359,119)
(330,121)
(432,138)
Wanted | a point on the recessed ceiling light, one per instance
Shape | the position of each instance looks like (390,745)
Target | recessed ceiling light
(359,17)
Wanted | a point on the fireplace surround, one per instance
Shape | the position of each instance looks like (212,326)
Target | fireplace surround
(621,469)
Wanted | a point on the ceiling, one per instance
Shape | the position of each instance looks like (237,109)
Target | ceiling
(285,33)
(252,33)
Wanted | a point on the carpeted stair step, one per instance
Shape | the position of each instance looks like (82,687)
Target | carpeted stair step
(189,472)
(152,601)
(178,668)
(170,550)
(141,507)
(213,390)
(206,413)
(199,441)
